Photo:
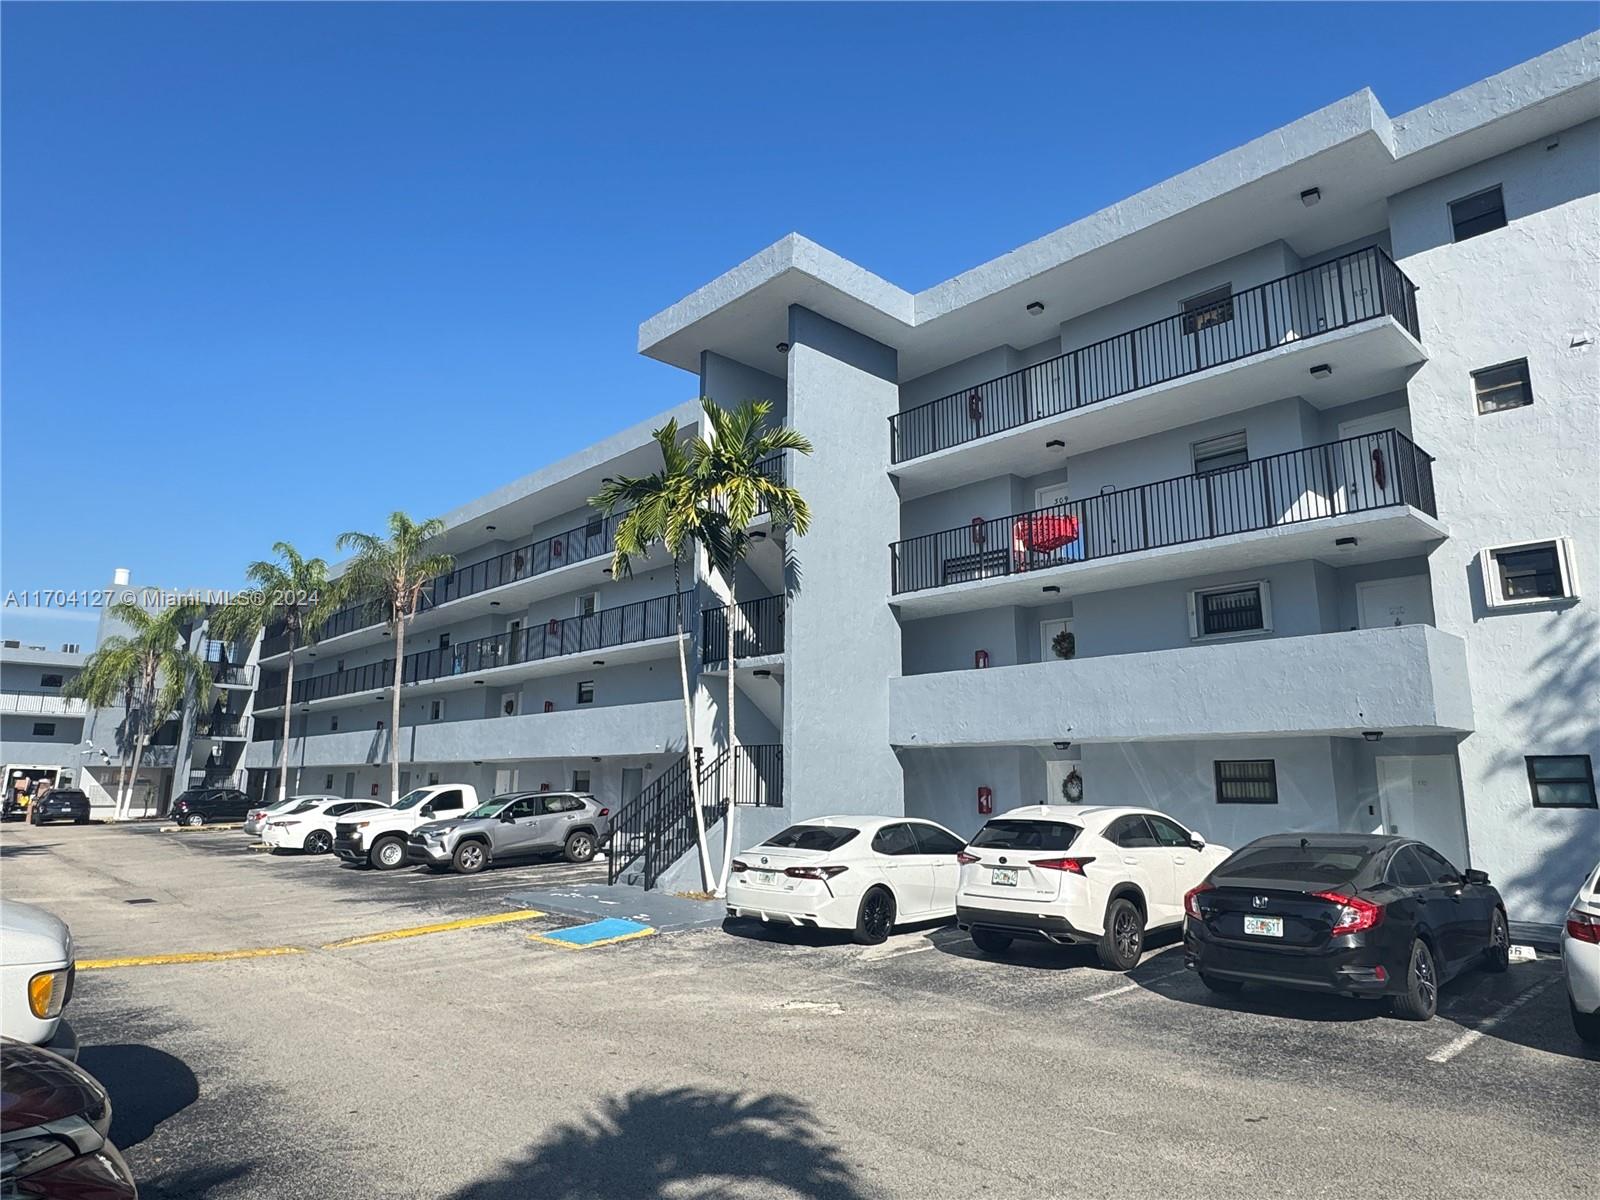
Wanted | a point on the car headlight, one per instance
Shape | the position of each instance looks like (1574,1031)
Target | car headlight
(362,824)
(47,993)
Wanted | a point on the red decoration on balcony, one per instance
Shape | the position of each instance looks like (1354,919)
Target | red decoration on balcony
(1380,475)
(554,626)
(980,659)
(975,405)
(980,532)
(1041,533)
(549,706)
(556,549)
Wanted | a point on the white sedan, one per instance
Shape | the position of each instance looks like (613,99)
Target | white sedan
(1580,958)
(257,820)
(858,873)
(311,830)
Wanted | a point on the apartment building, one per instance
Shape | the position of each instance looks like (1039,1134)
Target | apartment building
(1269,496)
(41,729)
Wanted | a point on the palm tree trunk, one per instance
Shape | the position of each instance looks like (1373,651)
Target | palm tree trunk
(288,722)
(733,740)
(688,729)
(394,710)
(126,808)
(122,785)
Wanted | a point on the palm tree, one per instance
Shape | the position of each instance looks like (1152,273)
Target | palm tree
(295,591)
(662,508)
(393,570)
(732,489)
(152,669)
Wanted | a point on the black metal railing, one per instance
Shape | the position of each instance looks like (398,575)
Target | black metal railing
(1356,287)
(772,468)
(641,621)
(218,778)
(591,540)
(229,673)
(219,727)
(1359,474)
(270,695)
(757,631)
(656,829)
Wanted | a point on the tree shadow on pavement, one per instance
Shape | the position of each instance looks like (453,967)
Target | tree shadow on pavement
(147,1086)
(679,1143)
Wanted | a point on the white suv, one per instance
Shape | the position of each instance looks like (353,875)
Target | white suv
(1066,874)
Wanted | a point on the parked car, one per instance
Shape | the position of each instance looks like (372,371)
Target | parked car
(61,804)
(1355,914)
(1075,874)
(198,806)
(858,873)
(1580,957)
(310,824)
(37,969)
(257,820)
(379,839)
(54,1119)
(515,825)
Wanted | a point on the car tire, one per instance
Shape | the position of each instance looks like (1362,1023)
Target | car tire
(580,847)
(470,858)
(388,853)
(1420,1000)
(1122,943)
(318,841)
(193,820)
(80,820)
(1497,957)
(1587,1025)
(875,917)
(991,942)
(1222,987)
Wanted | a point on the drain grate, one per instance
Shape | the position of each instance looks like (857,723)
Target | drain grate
(141,900)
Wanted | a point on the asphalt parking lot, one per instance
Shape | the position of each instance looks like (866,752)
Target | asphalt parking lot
(479,1063)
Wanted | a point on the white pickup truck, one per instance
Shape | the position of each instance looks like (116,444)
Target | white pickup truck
(378,838)
(36,972)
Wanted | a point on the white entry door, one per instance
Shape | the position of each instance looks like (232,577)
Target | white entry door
(1384,602)
(1419,796)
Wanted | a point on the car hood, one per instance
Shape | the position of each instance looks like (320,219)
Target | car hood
(453,823)
(31,935)
(37,1086)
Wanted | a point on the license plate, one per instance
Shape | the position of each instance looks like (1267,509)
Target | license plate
(1264,926)
(766,878)
(1003,876)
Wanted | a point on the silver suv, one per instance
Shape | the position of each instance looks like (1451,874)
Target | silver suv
(515,825)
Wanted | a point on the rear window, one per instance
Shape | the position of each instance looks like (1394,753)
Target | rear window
(67,794)
(1027,835)
(1312,863)
(813,837)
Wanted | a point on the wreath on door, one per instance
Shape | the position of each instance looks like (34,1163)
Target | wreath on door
(1072,787)
(1064,644)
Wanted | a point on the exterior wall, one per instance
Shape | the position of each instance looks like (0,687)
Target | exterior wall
(1526,290)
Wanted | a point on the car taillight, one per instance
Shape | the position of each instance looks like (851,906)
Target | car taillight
(739,867)
(1075,865)
(605,812)
(1582,927)
(964,858)
(813,872)
(1191,905)
(1354,913)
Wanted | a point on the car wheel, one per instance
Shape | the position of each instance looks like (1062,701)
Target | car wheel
(388,854)
(1421,998)
(1123,941)
(579,847)
(80,820)
(1498,956)
(1222,987)
(1587,1024)
(193,820)
(875,917)
(991,942)
(318,841)
(469,858)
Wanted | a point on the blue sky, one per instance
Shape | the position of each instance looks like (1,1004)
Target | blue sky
(273,270)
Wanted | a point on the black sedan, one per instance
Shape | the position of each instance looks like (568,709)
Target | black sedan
(61,804)
(1352,914)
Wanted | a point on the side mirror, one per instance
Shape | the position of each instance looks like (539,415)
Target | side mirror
(1478,877)
(427,811)
(506,817)
(1197,841)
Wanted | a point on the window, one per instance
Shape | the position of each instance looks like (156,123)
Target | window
(44,729)
(586,692)
(1169,833)
(1561,780)
(339,666)
(1247,781)
(895,840)
(586,604)
(933,840)
(528,806)
(580,781)
(444,641)
(435,709)
(1477,213)
(1503,387)
(1438,868)
(812,837)
(1131,833)
(451,801)
(1208,308)
(1220,453)
(1406,869)
(1531,573)
(1228,611)
(329,783)
(50,681)
(1026,835)
(433,778)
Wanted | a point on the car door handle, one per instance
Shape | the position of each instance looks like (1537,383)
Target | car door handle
(1130,862)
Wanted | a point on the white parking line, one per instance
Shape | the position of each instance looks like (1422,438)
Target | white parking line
(1132,987)
(1448,1051)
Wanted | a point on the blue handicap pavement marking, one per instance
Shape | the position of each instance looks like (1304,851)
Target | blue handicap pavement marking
(596,933)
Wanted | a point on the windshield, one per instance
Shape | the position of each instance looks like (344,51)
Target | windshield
(1026,835)
(813,837)
(487,809)
(349,806)
(1311,863)
(412,798)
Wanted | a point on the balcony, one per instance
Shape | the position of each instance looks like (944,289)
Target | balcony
(1376,489)
(1408,680)
(218,729)
(634,624)
(757,632)
(589,541)
(230,675)
(1356,314)
(41,705)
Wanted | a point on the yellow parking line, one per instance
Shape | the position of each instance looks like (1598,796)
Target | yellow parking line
(390,935)
(626,937)
(162,960)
